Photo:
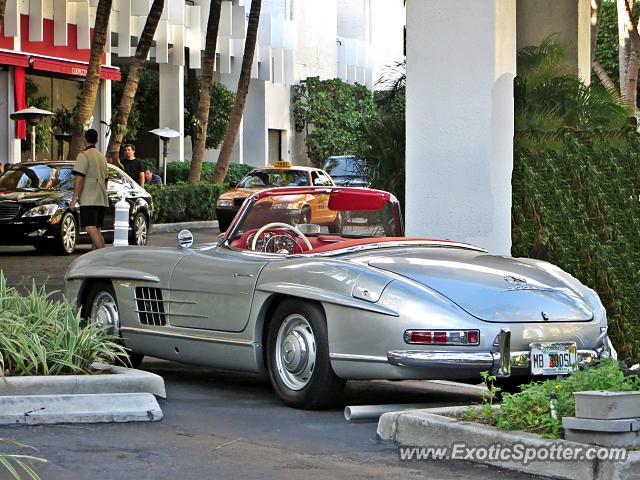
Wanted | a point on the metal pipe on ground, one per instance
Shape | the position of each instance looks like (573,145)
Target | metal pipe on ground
(371,413)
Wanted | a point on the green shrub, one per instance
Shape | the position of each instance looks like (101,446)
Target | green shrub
(576,204)
(39,336)
(183,202)
(530,410)
(179,172)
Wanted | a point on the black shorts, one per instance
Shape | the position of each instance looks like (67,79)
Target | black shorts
(91,216)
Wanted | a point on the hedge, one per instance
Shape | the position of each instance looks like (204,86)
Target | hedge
(576,204)
(179,171)
(181,203)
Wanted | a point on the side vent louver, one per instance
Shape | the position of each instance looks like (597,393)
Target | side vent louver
(150,306)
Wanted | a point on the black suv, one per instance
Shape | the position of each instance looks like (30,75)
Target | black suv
(34,207)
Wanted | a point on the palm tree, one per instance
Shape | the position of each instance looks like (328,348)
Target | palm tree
(548,99)
(92,80)
(241,95)
(3,4)
(133,78)
(204,98)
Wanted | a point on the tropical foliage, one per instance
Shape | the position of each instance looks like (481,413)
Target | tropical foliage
(185,202)
(333,114)
(40,336)
(220,108)
(548,99)
(178,172)
(530,410)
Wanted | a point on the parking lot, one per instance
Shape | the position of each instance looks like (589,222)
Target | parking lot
(222,424)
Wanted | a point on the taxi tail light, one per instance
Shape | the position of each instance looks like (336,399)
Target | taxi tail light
(442,337)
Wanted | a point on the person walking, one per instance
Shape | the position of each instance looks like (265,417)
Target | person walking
(133,166)
(90,170)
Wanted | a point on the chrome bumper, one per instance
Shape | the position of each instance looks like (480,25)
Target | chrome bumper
(481,361)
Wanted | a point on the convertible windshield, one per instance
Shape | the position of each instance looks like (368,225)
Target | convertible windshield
(50,177)
(261,178)
(299,220)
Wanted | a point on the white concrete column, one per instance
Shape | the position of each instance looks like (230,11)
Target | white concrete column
(171,114)
(9,145)
(461,61)
(568,21)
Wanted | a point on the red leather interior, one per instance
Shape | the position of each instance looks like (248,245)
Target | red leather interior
(323,243)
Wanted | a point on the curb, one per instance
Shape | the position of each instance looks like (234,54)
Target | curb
(113,380)
(96,408)
(174,227)
(425,428)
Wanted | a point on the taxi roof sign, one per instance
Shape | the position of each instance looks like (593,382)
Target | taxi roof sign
(282,164)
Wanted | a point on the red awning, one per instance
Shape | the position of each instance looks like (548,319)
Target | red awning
(16,59)
(77,69)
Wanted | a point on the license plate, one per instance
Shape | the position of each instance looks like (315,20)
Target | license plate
(556,358)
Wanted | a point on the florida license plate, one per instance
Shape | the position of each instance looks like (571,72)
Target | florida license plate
(557,358)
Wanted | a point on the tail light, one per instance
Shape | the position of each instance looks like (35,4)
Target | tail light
(442,337)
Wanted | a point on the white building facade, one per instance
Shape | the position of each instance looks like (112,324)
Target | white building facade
(297,39)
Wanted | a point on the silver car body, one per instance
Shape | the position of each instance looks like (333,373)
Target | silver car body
(217,301)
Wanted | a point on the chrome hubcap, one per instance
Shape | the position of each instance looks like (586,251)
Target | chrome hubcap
(295,352)
(104,311)
(141,230)
(68,233)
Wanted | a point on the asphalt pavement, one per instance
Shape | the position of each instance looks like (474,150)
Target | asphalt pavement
(222,424)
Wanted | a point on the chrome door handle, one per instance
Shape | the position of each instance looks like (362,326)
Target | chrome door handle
(248,275)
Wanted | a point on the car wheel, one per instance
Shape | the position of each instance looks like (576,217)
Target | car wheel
(101,307)
(336,225)
(305,215)
(223,223)
(65,241)
(140,230)
(298,356)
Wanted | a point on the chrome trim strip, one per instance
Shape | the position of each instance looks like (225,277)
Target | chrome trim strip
(178,314)
(346,357)
(184,336)
(472,360)
(421,358)
(182,302)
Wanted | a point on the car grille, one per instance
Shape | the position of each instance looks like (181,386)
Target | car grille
(8,211)
(239,201)
(150,306)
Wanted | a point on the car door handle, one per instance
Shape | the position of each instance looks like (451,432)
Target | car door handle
(248,275)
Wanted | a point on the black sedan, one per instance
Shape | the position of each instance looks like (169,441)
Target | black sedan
(34,207)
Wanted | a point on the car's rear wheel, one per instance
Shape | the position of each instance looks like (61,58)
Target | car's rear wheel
(139,231)
(336,225)
(305,215)
(101,307)
(298,356)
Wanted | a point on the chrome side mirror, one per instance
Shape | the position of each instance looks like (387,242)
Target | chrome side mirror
(185,239)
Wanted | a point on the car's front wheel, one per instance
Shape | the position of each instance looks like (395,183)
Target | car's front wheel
(298,356)
(65,241)
(139,231)
(101,307)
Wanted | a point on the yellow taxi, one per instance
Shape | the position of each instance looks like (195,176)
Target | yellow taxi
(282,174)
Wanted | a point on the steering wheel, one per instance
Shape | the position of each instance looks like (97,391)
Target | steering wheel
(264,228)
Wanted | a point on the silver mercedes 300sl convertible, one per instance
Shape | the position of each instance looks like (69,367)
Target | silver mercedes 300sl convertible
(316,286)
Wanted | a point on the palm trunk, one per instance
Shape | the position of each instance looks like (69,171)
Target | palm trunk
(629,88)
(241,95)
(624,44)
(3,4)
(92,80)
(131,87)
(595,26)
(204,98)
(603,76)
